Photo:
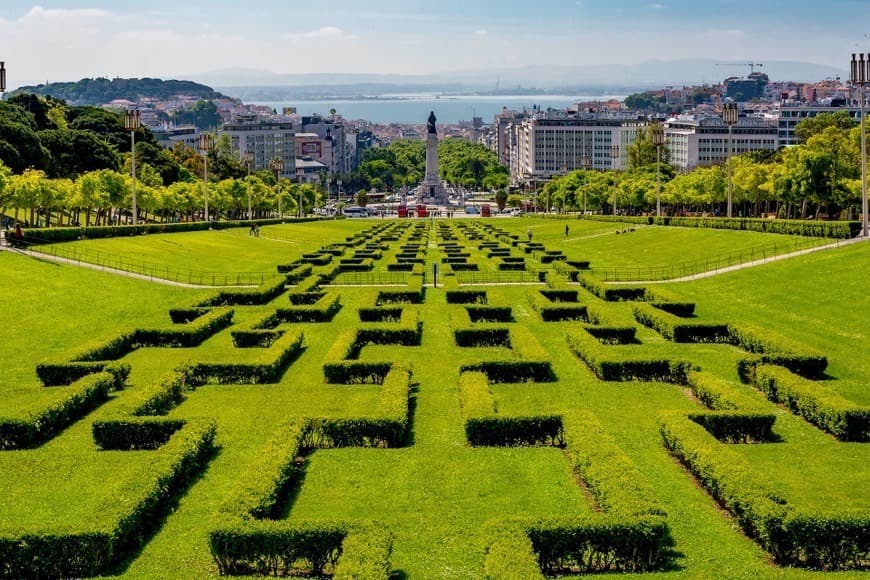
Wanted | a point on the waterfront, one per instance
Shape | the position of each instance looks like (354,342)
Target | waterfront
(408,109)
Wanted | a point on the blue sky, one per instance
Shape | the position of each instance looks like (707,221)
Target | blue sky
(69,39)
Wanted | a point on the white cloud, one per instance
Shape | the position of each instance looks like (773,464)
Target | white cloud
(656,6)
(329,32)
(480,33)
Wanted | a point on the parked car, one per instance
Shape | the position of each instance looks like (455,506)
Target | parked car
(472,210)
(355,212)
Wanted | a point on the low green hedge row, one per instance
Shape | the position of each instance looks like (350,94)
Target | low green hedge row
(776,349)
(483,337)
(550,311)
(68,234)
(179,336)
(680,329)
(737,426)
(269,548)
(819,540)
(489,314)
(87,552)
(533,364)
(185,315)
(613,335)
(510,554)
(341,367)
(815,402)
(261,489)
(558,294)
(298,274)
(609,365)
(387,428)
(670,302)
(720,395)
(60,374)
(366,265)
(134,433)
(305,298)
(466,297)
(483,427)
(566,269)
(317,259)
(413,294)
(815,229)
(41,425)
(164,394)
(323,310)
(401,267)
(306,286)
(512,266)
(611,293)
(385,314)
(251,338)
(262,294)
(619,488)
(267,368)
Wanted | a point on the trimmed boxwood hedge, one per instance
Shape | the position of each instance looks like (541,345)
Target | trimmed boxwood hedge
(719,395)
(266,369)
(612,293)
(41,425)
(482,337)
(737,426)
(87,552)
(262,294)
(466,297)
(556,311)
(609,365)
(679,329)
(323,309)
(489,314)
(773,348)
(126,434)
(808,228)
(815,402)
(819,540)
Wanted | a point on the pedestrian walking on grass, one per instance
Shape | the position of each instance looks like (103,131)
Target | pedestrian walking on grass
(530,235)
(567,230)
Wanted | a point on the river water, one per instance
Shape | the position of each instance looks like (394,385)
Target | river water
(414,109)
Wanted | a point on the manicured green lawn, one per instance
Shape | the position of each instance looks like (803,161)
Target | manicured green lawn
(437,493)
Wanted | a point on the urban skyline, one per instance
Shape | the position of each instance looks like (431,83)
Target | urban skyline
(65,40)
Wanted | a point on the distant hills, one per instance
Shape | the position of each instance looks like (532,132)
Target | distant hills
(601,79)
(99,91)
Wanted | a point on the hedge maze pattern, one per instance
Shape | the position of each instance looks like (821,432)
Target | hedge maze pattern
(627,527)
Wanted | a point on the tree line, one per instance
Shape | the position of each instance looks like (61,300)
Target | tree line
(820,177)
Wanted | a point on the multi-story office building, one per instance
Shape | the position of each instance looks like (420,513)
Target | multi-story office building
(167,136)
(554,143)
(501,142)
(791,114)
(338,156)
(703,141)
(266,139)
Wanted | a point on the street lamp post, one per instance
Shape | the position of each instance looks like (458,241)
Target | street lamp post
(658,139)
(205,144)
(730,116)
(584,161)
(860,77)
(249,164)
(614,158)
(132,122)
(2,79)
(277,166)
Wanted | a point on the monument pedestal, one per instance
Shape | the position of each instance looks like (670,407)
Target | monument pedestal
(432,190)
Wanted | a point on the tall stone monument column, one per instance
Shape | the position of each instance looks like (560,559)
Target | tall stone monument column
(431,190)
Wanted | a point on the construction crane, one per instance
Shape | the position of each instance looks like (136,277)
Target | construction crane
(751,65)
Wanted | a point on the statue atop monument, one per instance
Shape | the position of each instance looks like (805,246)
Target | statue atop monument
(431,123)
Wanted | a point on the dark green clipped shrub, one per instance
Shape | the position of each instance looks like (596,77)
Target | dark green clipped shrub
(619,488)
(185,315)
(365,554)
(815,402)
(612,293)
(775,349)
(513,371)
(44,423)
(612,335)
(556,311)
(490,314)
(501,431)
(298,273)
(607,544)
(482,337)
(305,298)
(679,329)
(466,297)
(323,310)
(59,374)
(737,426)
(610,365)
(808,228)
(255,338)
(134,433)
(267,548)
(719,395)
(263,294)
(388,314)
(510,554)
(268,368)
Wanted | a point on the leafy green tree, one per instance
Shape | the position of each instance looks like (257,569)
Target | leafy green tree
(203,114)
(643,151)
(362,198)
(74,152)
(812,126)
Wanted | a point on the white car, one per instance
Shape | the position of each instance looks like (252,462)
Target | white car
(472,210)
(355,212)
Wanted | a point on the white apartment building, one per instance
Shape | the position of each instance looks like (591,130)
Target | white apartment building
(554,143)
(267,139)
(703,141)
